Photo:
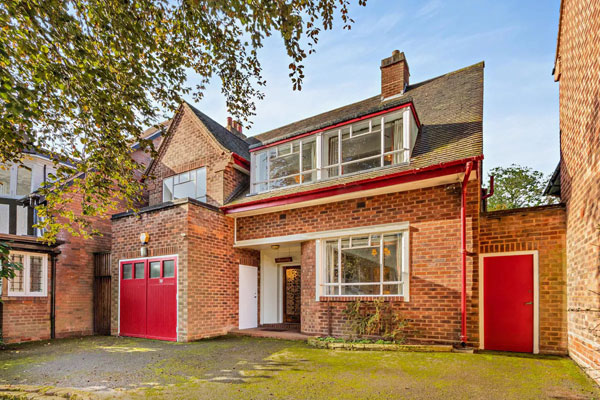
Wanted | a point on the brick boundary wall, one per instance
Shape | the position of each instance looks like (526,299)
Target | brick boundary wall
(542,229)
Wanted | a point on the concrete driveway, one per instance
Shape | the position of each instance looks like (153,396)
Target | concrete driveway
(256,368)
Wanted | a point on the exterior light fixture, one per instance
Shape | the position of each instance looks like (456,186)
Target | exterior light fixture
(275,246)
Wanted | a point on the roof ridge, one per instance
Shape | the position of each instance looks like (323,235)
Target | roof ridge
(406,95)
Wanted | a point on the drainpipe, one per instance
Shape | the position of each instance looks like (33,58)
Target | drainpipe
(463,245)
(53,297)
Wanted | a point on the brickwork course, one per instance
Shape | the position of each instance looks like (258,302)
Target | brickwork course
(577,69)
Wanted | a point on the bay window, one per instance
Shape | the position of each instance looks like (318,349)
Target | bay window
(366,265)
(32,279)
(376,142)
(187,184)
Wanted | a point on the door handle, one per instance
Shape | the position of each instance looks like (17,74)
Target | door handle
(528,303)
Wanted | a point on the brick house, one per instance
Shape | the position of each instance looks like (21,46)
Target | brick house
(379,199)
(59,292)
(577,178)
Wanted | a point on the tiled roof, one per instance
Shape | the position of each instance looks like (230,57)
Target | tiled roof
(227,139)
(449,107)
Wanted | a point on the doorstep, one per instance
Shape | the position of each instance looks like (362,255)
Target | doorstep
(269,333)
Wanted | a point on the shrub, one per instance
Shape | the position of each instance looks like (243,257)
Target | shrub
(376,318)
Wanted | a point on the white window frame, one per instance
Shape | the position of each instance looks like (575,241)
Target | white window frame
(404,283)
(400,156)
(13,183)
(27,276)
(188,173)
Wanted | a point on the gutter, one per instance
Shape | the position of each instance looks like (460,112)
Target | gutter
(463,245)
(378,181)
(53,296)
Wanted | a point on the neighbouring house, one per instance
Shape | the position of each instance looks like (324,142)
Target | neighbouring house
(577,178)
(379,199)
(63,289)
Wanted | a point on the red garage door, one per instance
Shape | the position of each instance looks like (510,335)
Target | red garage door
(508,302)
(148,298)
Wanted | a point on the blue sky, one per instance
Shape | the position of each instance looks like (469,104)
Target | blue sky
(516,39)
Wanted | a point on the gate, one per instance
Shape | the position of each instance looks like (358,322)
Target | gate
(102,293)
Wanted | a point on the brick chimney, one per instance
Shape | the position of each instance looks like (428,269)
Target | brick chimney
(394,75)
(235,127)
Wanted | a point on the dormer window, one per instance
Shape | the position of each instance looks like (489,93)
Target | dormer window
(190,184)
(347,149)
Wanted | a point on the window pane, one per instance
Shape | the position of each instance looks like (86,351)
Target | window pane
(187,189)
(201,184)
(155,269)
(279,183)
(4,180)
(261,172)
(23,180)
(360,128)
(330,153)
(332,271)
(358,290)
(168,189)
(331,290)
(355,148)
(139,271)
(393,141)
(309,158)
(35,274)
(127,271)
(391,258)
(168,269)
(283,165)
(361,166)
(16,284)
(392,289)
(360,265)
(360,241)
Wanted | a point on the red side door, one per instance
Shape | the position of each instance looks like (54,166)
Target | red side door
(162,300)
(508,303)
(148,299)
(133,299)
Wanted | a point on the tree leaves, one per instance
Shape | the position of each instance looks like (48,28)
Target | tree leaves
(80,78)
(517,186)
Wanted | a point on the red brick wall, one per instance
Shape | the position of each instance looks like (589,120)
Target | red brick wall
(542,229)
(434,217)
(25,318)
(579,69)
(28,318)
(190,146)
(208,265)
(213,273)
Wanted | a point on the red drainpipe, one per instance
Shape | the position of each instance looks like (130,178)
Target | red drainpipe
(463,244)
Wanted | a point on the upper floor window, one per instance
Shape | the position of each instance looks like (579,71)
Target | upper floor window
(15,181)
(187,184)
(371,143)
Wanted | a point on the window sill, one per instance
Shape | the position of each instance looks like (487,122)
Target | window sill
(21,297)
(341,299)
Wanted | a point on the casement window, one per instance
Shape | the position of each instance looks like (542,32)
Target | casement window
(378,142)
(365,265)
(188,184)
(32,279)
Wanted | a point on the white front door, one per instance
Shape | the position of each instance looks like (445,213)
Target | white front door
(248,308)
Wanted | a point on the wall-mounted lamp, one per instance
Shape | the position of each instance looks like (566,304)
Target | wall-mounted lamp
(275,246)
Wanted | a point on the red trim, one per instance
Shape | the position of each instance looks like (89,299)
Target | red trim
(241,161)
(432,171)
(410,103)
(463,245)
